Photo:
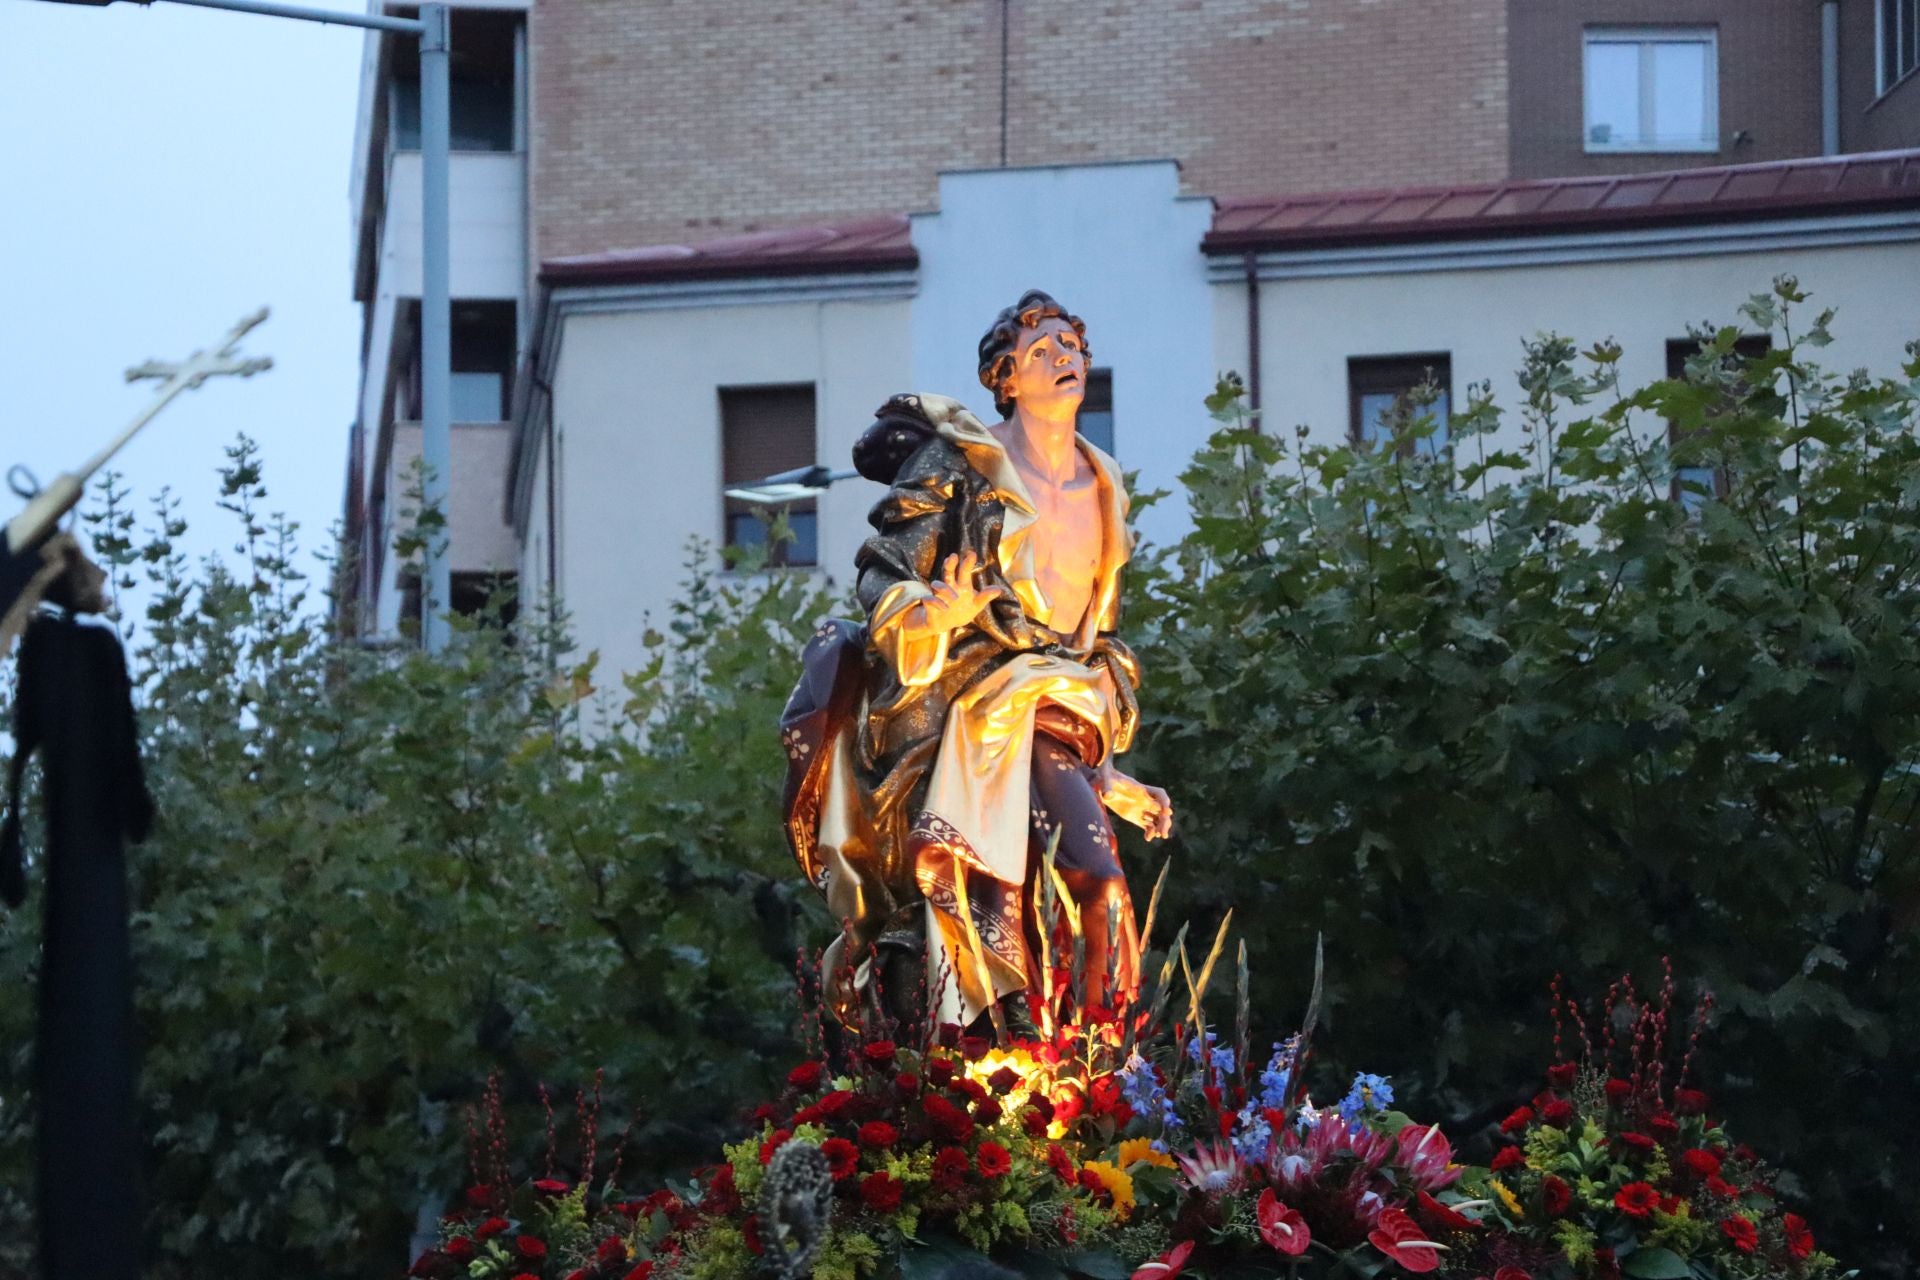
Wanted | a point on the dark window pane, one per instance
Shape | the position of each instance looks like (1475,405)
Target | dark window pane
(1095,421)
(764,432)
(1381,388)
(1692,485)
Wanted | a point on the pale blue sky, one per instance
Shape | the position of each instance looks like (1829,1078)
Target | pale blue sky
(163,172)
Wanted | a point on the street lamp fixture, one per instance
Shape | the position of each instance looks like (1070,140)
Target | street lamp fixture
(788,486)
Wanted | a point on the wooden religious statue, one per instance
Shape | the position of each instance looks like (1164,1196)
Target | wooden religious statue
(941,746)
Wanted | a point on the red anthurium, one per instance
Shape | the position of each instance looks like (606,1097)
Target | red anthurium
(1443,1215)
(1403,1240)
(1281,1225)
(1167,1265)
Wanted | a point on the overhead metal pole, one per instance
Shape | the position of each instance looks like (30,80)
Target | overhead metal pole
(436,322)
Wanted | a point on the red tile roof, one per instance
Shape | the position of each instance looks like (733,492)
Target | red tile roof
(866,244)
(1831,184)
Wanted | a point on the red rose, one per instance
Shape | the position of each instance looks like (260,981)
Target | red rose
(878,1134)
(773,1144)
(952,1123)
(1638,1141)
(1560,1074)
(1618,1091)
(642,1272)
(940,1071)
(994,1160)
(967,1087)
(1003,1079)
(1506,1158)
(1799,1238)
(1690,1102)
(881,1192)
(1636,1200)
(1557,1195)
(1740,1233)
(986,1111)
(1060,1162)
(1558,1113)
(531,1247)
(1721,1187)
(460,1249)
(490,1228)
(842,1157)
(906,1084)
(1033,1122)
(974,1048)
(1664,1126)
(1519,1120)
(806,1075)
(1400,1238)
(1701,1164)
(948,1035)
(880,1053)
(1281,1226)
(950,1168)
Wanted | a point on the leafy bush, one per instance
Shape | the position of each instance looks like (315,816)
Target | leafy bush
(1481,714)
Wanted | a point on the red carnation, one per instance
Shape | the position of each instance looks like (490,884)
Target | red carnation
(1740,1233)
(1506,1158)
(1638,1141)
(906,1084)
(878,1134)
(806,1075)
(1558,1113)
(642,1272)
(1560,1074)
(1618,1091)
(1637,1200)
(881,1192)
(1664,1126)
(612,1249)
(1557,1195)
(1060,1162)
(994,1160)
(551,1186)
(721,1196)
(460,1249)
(940,1071)
(842,1157)
(1090,1182)
(1799,1237)
(1400,1238)
(953,1123)
(1003,1079)
(880,1053)
(1519,1120)
(950,1168)
(531,1247)
(750,1231)
(773,1144)
(1701,1164)
(490,1228)
(1690,1102)
(1719,1186)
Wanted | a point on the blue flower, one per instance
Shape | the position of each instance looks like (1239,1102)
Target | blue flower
(1141,1087)
(1369,1093)
(1223,1058)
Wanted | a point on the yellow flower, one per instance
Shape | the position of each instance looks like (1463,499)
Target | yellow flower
(1140,1151)
(1507,1198)
(1119,1185)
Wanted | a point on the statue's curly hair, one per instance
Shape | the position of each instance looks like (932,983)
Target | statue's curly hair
(997,346)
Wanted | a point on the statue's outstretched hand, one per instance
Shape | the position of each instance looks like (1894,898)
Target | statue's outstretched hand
(1148,808)
(957,596)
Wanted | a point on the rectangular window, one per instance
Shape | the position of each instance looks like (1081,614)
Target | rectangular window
(1898,22)
(481,343)
(1382,401)
(480,84)
(1095,420)
(764,432)
(1693,483)
(1652,89)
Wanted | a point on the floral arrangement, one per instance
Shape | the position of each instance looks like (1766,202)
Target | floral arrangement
(1122,1145)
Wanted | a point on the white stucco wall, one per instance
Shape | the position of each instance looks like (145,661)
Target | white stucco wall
(1310,327)
(637,410)
(1118,246)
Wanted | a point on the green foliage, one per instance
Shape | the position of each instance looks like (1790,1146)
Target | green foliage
(379,876)
(1481,713)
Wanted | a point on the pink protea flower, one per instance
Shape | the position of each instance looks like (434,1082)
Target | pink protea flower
(1426,1156)
(1214,1169)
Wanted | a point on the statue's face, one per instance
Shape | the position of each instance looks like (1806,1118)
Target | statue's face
(1049,369)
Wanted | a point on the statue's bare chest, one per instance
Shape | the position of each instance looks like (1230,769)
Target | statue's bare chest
(1065,540)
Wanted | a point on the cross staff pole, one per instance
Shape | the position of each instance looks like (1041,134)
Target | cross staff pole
(46,508)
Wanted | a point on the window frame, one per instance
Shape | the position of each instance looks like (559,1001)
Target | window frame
(779,556)
(1646,38)
(1374,374)
(1748,346)
(1905,13)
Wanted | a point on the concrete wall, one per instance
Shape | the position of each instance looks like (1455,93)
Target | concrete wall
(1309,327)
(1769,81)
(1119,246)
(661,122)
(637,410)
